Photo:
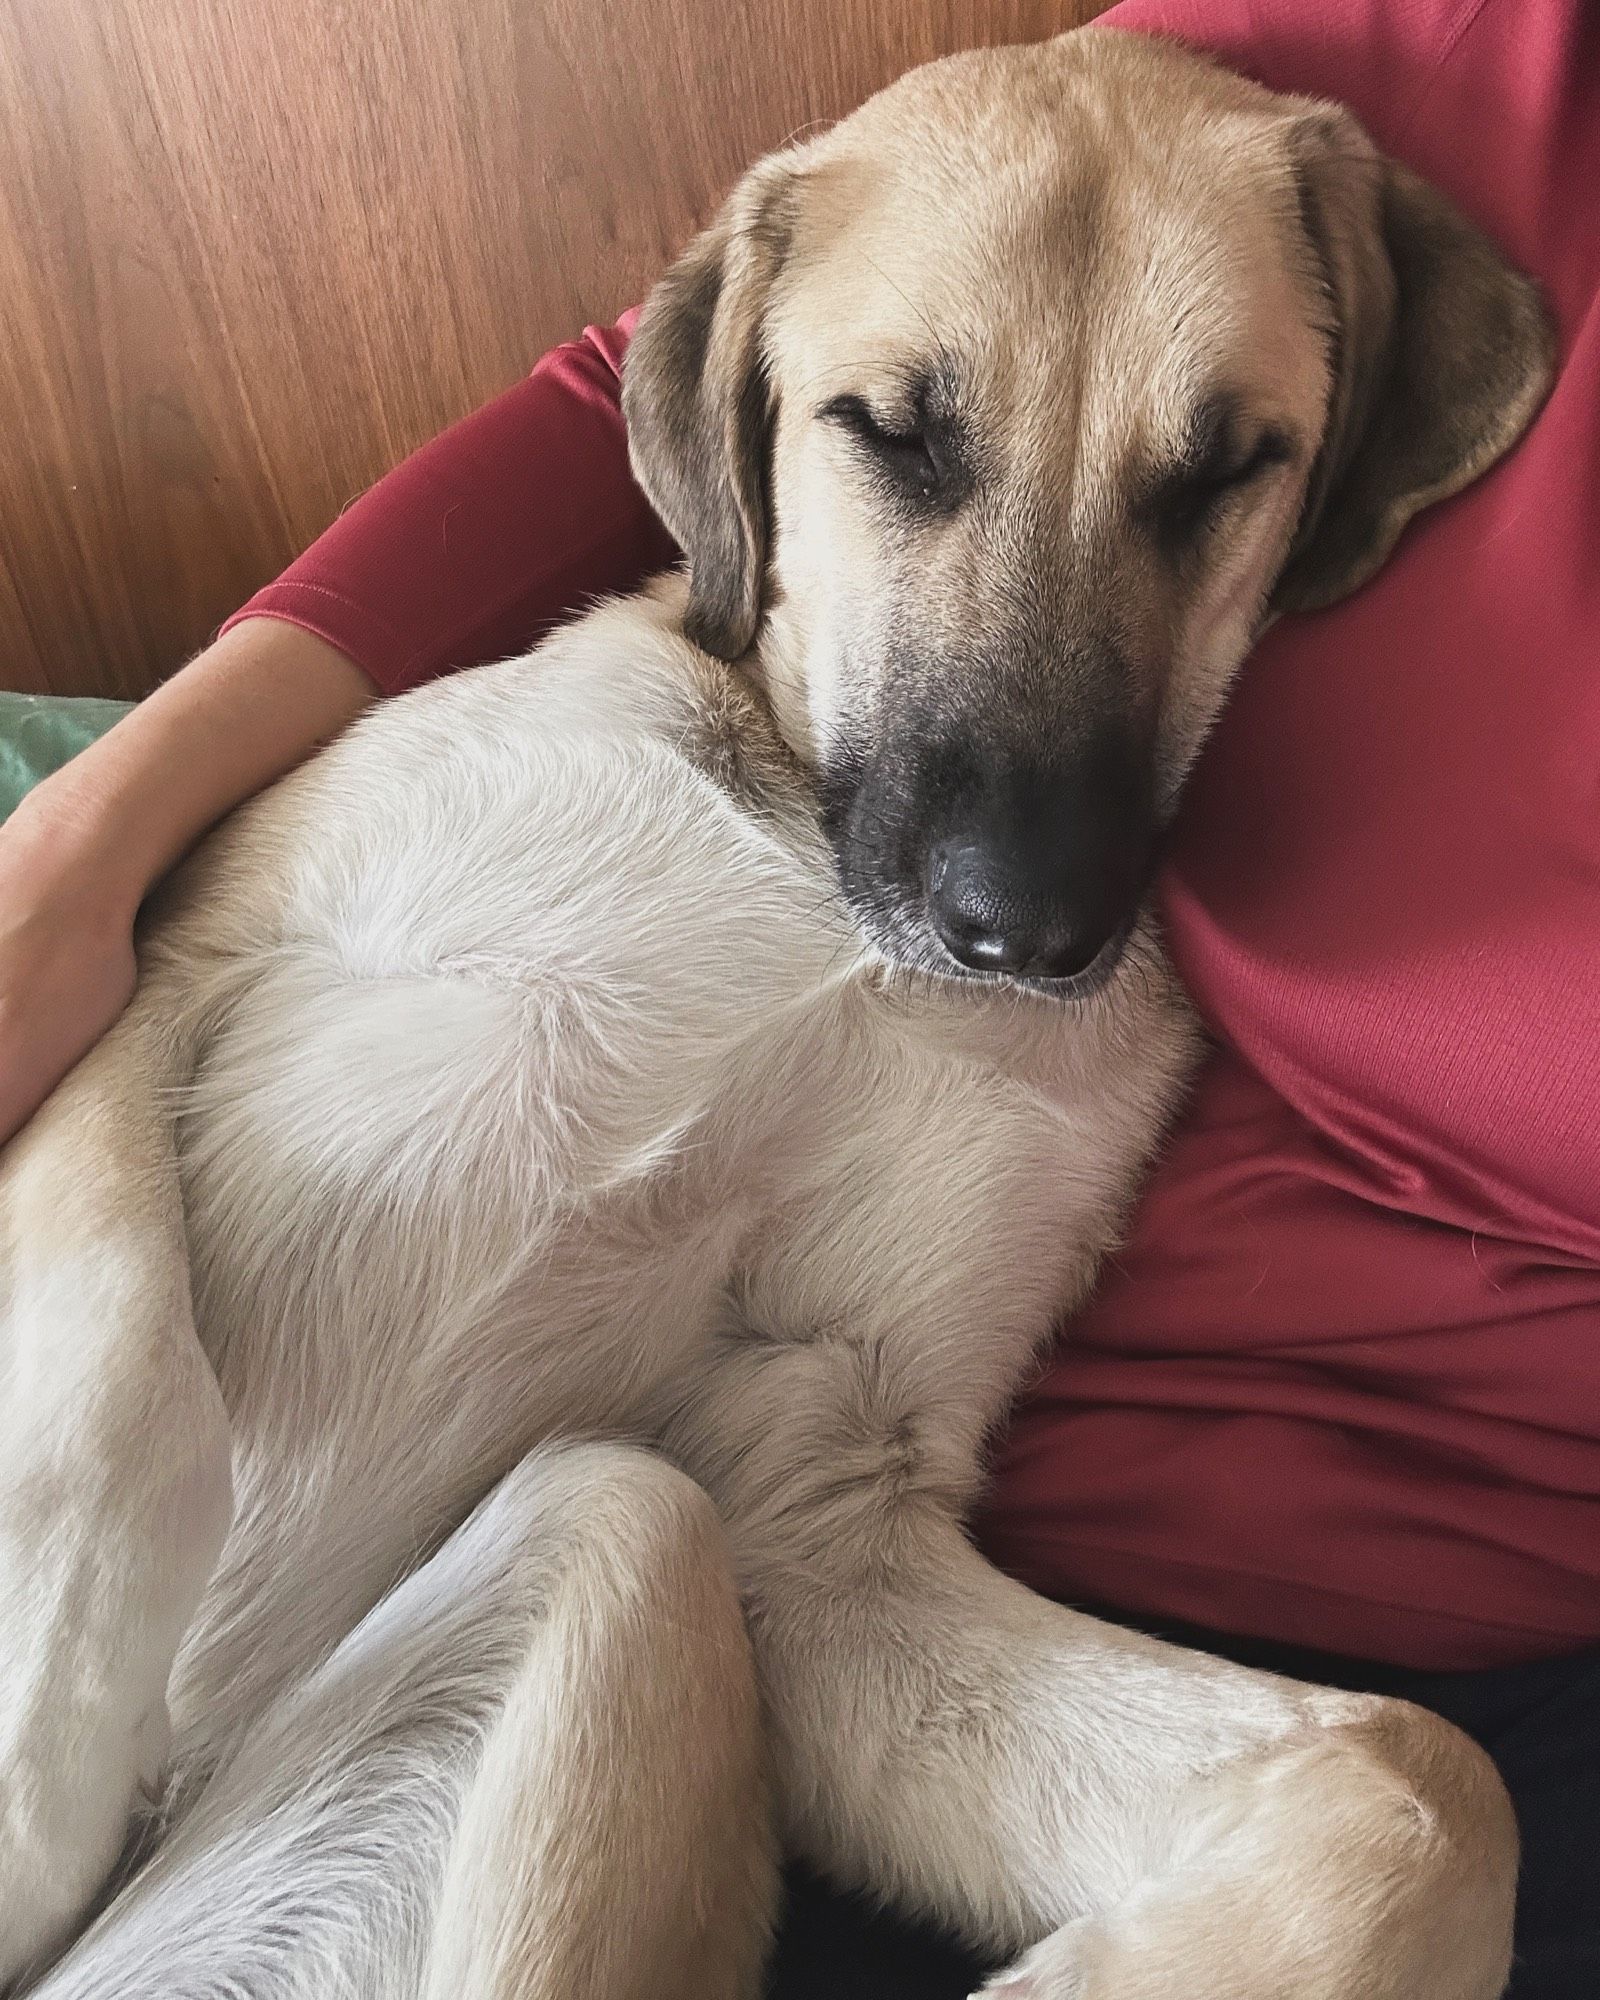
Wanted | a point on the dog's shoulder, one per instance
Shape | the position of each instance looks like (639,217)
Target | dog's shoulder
(713,712)
(624,673)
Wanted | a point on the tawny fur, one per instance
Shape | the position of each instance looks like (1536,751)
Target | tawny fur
(500,1340)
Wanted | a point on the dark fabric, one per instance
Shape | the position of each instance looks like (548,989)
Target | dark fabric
(1540,1723)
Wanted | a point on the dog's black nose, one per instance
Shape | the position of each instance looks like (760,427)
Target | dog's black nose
(996,911)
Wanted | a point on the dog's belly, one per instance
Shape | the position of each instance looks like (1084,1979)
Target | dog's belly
(487,1117)
(383,1390)
(406,1284)
(460,1176)
(402,1297)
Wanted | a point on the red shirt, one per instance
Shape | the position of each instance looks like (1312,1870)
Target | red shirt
(1342,1386)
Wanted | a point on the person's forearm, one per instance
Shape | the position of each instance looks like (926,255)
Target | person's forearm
(249,708)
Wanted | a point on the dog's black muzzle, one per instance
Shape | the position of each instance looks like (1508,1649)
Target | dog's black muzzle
(1016,863)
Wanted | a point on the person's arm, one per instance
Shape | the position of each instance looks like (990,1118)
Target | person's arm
(466,553)
(79,854)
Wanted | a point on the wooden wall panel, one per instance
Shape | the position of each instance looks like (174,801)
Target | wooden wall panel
(252,254)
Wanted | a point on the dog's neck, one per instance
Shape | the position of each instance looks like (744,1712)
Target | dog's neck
(780,664)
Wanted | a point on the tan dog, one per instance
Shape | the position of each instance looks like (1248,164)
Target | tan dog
(518,1078)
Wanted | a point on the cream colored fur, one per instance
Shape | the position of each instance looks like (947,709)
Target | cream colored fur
(498,1343)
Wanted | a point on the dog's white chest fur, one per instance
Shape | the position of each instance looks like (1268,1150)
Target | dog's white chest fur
(554,1083)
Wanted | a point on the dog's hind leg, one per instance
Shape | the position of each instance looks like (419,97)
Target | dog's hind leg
(114,1477)
(615,1840)
(536,1768)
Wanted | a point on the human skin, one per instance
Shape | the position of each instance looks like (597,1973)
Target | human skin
(85,847)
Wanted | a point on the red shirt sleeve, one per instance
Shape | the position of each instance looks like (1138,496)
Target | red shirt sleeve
(481,541)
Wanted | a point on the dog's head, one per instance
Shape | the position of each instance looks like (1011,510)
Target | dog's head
(1004,414)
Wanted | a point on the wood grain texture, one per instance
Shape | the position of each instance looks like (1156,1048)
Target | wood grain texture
(251,255)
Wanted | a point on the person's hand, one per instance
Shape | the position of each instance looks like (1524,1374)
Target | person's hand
(66,957)
(80,852)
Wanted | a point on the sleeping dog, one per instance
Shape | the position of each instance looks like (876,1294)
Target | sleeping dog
(500,1338)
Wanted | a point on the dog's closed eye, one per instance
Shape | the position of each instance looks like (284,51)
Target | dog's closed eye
(1222,462)
(917,455)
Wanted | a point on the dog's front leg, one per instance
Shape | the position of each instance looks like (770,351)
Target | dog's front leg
(114,1480)
(1137,1821)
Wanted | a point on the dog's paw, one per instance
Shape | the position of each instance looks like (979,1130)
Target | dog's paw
(63,1820)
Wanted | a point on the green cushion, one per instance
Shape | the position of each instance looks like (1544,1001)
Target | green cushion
(40,731)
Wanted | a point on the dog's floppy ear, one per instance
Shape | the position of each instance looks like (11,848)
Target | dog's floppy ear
(1441,354)
(698,404)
